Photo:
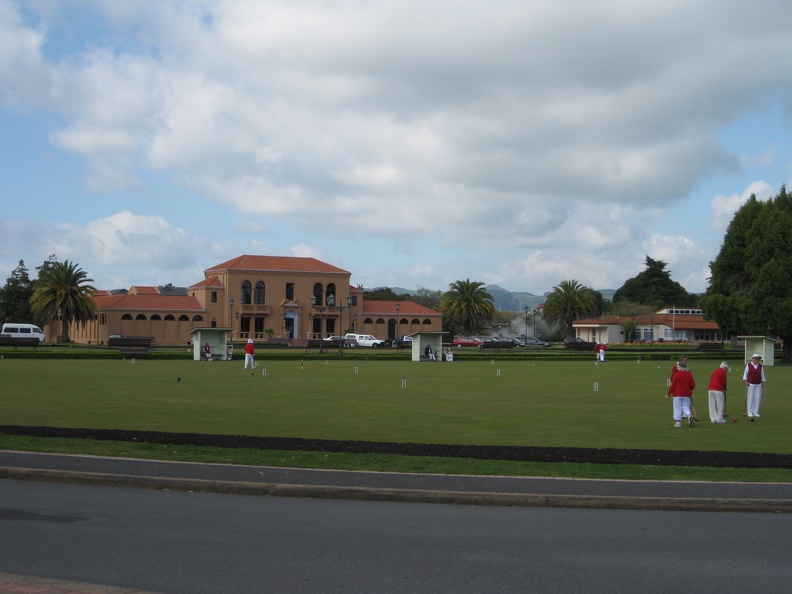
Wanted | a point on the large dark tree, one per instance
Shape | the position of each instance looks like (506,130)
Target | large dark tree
(750,290)
(654,287)
(15,296)
(467,307)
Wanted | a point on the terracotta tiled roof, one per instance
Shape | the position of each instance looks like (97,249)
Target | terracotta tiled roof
(680,321)
(211,281)
(277,264)
(138,290)
(148,302)
(406,308)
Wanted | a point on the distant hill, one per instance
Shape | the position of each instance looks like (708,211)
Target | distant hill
(506,300)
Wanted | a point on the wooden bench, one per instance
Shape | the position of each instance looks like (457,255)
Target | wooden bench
(131,346)
(711,347)
(18,341)
(580,346)
(496,346)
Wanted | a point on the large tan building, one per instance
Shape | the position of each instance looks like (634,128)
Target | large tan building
(259,297)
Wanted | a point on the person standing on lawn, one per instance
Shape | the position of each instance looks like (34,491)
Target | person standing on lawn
(681,364)
(249,354)
(717,393)
(754,377)
(681,389)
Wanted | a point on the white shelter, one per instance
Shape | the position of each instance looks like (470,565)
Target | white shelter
(420,340)
(764,345)
(218,343)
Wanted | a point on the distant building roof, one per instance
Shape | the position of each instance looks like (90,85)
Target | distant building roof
(277,264)
(406,308)
(147,302)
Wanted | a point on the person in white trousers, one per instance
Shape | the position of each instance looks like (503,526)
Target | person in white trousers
(249,354)
(754,377)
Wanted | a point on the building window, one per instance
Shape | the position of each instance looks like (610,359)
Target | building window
(331,290)
(318,292)
(214,297)
(245,296)
(258,297)
(289,291)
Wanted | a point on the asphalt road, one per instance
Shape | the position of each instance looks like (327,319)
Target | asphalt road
(181,542)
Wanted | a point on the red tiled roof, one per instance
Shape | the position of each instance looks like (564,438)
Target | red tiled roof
(150,302)
(211,281)
(143,290)
(406,308)
(277,263)
(679,321)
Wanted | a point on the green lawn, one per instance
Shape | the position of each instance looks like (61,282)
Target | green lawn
(494,403)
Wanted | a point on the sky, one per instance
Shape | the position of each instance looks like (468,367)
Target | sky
(413,143)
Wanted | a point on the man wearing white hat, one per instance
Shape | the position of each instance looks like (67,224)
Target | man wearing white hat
(249,352)
(754,377)
(717,393)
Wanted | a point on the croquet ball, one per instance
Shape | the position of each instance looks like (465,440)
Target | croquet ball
(752,420)
(734,420)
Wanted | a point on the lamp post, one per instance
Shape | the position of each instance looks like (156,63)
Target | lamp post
(321,309)
(526,322)
(340,309)
(231,317)
(396,330)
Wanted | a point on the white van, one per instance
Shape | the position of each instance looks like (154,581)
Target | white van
(366,340)
(23,331)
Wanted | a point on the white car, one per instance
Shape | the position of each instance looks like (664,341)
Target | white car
(366,340)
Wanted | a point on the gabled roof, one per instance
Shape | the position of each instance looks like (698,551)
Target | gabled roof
(276,264)
(210,281)
(406,308)
(676,321)
(148,302)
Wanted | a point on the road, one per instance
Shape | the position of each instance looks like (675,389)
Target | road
(173,542)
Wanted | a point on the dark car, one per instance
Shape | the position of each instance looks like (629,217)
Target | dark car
(532,341)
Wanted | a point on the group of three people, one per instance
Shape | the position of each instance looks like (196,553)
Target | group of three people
(682,385)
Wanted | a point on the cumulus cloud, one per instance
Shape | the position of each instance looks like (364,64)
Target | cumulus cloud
(551,128)
(724,207)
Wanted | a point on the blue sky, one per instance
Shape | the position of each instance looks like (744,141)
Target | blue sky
(411,143)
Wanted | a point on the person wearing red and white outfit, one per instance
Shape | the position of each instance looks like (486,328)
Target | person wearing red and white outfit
(717,393)
(754,377)
(249,353)
(681,389)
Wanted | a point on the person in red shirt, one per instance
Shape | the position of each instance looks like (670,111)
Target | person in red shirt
(681,389)
(249,353)
(717,393)
(754,378)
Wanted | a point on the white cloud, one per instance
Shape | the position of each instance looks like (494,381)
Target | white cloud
(724,207)
(555,129)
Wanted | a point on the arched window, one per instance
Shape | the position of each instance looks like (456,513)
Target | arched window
(245,296)
(156,317)
(331,290)
(197,318)
(319,293)
(258,296)
(184,318)
(126,317)
(140,317)
(170,318)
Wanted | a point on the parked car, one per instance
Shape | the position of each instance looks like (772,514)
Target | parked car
(577,343)
(460,342)
(403,342)
(532,341)
(366,340)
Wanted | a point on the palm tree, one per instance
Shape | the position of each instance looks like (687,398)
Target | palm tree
(567,302)
(61,291)
(467,306)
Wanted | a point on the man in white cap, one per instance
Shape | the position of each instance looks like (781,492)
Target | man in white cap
(249,352)
(717,393)
(754,377)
